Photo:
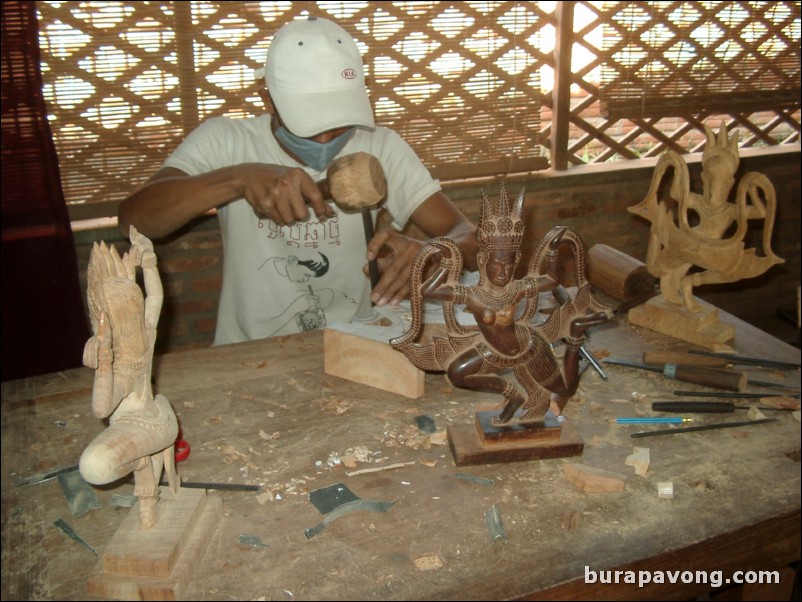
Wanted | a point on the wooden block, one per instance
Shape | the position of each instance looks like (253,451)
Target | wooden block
(362,353)
(594,480)
(157,564)
(703,328)
(468,448)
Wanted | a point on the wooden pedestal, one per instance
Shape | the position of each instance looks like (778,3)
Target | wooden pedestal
(703,328)
(157,564)
(362,353)
(484,443)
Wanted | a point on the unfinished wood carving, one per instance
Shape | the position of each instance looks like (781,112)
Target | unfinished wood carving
(142,428)
(707,231)
(473,356)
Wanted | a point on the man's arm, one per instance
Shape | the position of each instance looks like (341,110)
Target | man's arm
(171,198)
(436,216)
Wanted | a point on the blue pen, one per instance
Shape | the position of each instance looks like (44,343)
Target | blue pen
(653,420)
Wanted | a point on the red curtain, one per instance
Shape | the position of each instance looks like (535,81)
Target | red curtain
(44,323)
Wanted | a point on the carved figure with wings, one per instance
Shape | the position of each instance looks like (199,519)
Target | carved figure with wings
(504,336)
(699,239)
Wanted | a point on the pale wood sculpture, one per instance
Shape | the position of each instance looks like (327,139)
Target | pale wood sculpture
(142,428)
(504,336)
(699,239)
(153,552)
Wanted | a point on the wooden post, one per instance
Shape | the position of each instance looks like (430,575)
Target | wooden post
(561,95)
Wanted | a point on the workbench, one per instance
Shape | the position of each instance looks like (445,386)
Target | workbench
(265,413)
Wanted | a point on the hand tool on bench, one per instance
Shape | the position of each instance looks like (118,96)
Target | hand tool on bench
(737,359)
(718,378)
(733,395)
(704,427)
(679,357)
(705,407)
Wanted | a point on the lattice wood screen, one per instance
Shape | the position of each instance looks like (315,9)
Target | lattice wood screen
(125,81)
(664,57)
(596,134)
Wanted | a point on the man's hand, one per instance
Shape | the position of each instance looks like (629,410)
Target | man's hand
(396,254)
(281,193)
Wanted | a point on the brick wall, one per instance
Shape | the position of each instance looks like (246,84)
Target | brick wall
(592,200)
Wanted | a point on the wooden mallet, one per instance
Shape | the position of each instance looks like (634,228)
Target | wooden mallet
(357,181)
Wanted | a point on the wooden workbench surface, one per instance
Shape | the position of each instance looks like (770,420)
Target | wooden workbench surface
(265,413)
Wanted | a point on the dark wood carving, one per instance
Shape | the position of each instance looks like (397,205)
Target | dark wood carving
(504,337)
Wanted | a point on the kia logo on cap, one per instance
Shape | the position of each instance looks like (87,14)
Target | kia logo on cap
(349,73)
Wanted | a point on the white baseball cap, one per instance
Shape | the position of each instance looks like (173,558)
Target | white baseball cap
(315,76)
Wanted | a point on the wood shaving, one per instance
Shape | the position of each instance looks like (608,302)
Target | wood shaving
(254,363)
(428,563)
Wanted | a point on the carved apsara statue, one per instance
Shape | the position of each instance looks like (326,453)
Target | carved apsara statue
(504,338)
(142,428)
(699,239)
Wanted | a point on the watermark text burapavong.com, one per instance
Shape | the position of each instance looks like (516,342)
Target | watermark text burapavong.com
(714,579)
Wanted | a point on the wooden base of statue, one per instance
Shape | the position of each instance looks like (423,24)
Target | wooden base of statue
(485,443)
(703,328)
(157,564)
(361,352)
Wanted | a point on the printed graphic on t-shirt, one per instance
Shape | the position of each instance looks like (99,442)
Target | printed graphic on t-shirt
(307,309)
(307,234)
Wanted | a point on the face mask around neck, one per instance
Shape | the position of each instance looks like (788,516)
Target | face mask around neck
(317,155)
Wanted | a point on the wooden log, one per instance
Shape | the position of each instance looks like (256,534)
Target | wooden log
(619,275)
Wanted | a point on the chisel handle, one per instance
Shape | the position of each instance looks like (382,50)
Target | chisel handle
(718,378)
(677,357)
(705,407)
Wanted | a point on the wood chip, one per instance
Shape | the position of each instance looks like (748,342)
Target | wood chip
(378,468)
(755,414)
(640,460)
(594,480)
(428,563)
(439,438)
(665,490)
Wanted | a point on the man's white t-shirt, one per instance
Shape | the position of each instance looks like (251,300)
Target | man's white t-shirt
(282,280)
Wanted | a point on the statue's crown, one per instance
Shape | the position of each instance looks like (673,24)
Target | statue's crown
(501,224)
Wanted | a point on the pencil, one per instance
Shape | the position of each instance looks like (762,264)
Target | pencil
(653,420)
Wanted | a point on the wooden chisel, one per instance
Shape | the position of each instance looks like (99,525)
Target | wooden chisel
(718,378)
